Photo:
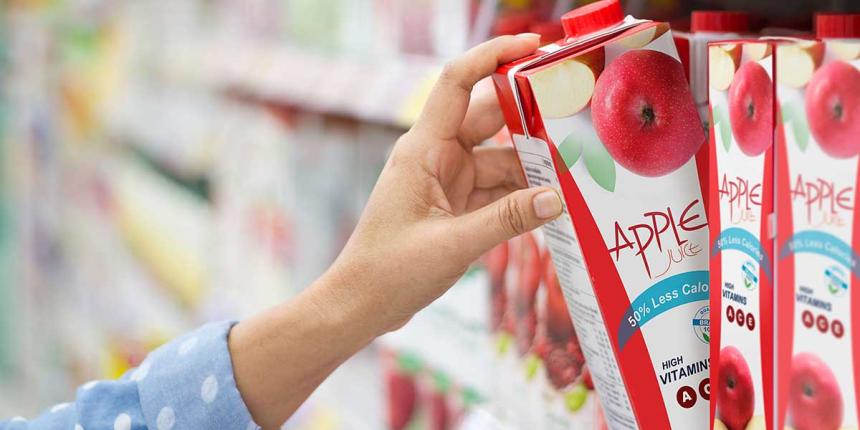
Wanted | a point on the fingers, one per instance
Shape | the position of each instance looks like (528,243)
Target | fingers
(482,197)
(446,107)
(483,117)
(506,218)
(498,166)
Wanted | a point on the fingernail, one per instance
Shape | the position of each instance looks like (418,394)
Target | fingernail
(529,36)
(547,204)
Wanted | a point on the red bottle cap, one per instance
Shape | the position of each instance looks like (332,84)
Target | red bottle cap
(592,17)
(719,21)
(837,25)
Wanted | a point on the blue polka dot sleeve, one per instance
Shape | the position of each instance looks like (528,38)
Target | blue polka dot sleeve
(185,384)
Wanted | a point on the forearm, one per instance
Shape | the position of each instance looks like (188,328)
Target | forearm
(439,203)
(282,355)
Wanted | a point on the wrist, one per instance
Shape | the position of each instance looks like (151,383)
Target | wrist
(350,301)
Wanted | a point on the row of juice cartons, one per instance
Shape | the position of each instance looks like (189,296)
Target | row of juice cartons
(686,160)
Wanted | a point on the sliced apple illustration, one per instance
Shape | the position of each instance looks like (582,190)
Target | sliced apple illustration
(757,51)
(722,62)
(718,425)
(845,50)
(644,37)
(566,88)
(797,62)
(756,423)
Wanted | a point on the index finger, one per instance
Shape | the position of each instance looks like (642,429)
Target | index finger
(446,107)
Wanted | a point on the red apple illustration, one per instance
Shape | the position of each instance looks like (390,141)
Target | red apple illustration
(644,113)
(751,108)
(496,262)
(735,392)
(564,361)
(402,392)
(562,367)
(528,281)
(833,109)
(814,400)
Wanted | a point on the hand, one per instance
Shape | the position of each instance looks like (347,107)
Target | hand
(442,201)
(439,204)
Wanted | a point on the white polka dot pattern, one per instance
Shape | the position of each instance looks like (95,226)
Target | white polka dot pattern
(166,418)
(60,407)
(122,422)
(187,346)
(209,389)
(185,384)
(141,372)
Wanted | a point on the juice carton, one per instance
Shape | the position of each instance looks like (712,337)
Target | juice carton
(607,116)
(706,26)
(524,292)
(541,368)
(741,85)
(567,396)
(513,269)
(818,232)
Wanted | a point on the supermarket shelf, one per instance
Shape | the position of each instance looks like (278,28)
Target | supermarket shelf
(176,132)
(389,92)
(167,229)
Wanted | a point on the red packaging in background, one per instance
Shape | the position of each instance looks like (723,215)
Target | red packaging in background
(741,82)
(818,234)
(706,26)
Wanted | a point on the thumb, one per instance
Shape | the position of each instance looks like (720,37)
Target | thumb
(512,215)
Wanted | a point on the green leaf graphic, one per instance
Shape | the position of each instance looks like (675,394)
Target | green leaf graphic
(794,117)
(721,120)
(570,150)
(600,164)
